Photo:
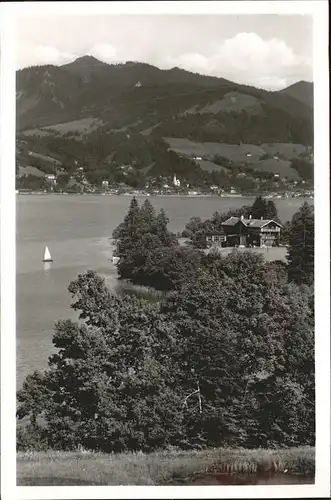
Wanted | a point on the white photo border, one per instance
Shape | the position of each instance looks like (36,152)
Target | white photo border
(8,13)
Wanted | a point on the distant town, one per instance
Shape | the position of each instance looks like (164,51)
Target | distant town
(160,186)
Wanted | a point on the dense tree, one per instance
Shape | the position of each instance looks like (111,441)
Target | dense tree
(109,383)
(147,216)
(304,167)
(262,208)
(226,358)
(271,212)
(127,236)
(32,397)
(32,182)
(141,233)
(236,336)
(167,268)
(130,221)
(301,246)
(93,299)
(285,233)
(166,237)
(194,224)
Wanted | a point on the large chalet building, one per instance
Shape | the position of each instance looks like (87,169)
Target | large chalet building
(243,232)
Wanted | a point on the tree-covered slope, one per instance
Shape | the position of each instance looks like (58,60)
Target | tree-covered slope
(103,116)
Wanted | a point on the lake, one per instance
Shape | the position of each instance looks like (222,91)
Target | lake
(77,230)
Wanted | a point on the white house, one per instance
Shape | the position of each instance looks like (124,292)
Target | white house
(176,181)
(51,178)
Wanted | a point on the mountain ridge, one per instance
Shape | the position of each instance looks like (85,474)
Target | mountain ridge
(49,95)
(107,115)
(302,91)
(90,61)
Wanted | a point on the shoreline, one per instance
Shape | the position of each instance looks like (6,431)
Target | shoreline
(140,195)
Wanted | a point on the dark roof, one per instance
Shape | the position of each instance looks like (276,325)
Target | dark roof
(256,222)
(215,232)
(232,221)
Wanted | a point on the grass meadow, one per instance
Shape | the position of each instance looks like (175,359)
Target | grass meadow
(54,468)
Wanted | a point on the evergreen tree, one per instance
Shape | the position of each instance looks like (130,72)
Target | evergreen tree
(259,208)
(263,208)
(167,238)
(271,211)
(301,246)
(148,218)
(141,233)
(130,221)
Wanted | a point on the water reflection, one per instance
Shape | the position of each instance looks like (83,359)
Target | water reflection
(248,479)
(47,266)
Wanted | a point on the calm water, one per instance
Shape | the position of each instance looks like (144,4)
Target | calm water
(77,230)
(199,480)
(247,479)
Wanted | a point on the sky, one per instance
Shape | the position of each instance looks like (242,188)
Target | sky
(268,51)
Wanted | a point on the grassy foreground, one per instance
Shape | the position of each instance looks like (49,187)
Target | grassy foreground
(159,468)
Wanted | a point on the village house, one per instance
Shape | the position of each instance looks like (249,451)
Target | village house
(216,238)
(240,231)
(51,178)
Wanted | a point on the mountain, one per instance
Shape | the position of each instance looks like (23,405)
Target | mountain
(85,66)
(127,74)
(47,95)
(107,115)
(51,94)
(302,91)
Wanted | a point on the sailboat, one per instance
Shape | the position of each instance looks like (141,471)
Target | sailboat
(47,255)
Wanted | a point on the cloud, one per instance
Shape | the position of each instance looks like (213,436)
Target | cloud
(44,54)
(248,58)
(104,52)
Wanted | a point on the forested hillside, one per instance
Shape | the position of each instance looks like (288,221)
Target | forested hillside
(106,116)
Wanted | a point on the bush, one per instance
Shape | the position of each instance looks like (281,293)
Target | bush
(31,437)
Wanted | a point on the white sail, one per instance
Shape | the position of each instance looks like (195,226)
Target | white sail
(47,255)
